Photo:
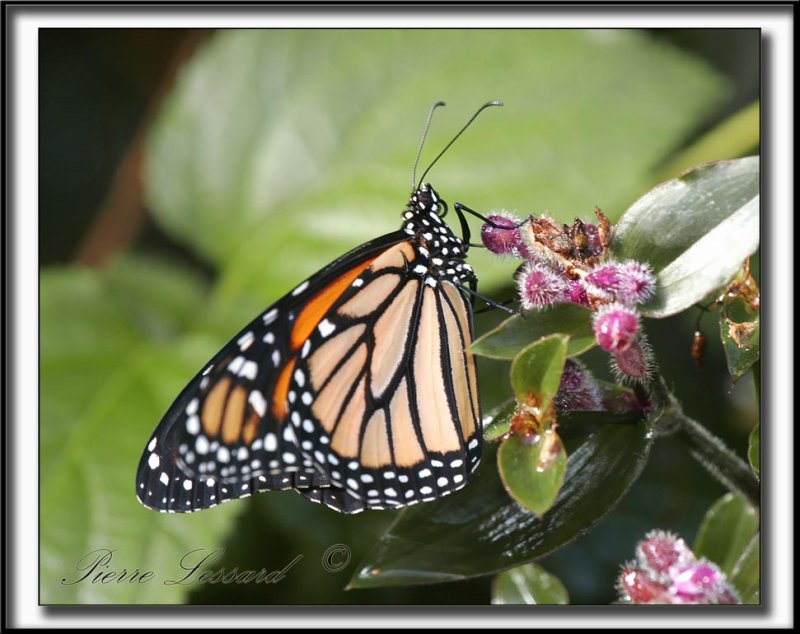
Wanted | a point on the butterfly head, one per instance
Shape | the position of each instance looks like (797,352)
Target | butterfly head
(440,252)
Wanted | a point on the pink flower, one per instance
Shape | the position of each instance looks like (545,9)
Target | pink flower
(629,283)
(666,571)
(701,582)
(660,551)
(636,586)
(501,236)
(638,283)
(540,286)
(577,293)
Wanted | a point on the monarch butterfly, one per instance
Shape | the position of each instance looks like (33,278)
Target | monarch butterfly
(356,388)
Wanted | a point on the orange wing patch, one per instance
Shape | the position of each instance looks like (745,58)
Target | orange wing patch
(214,406)
(315,310)
(318,306)
(279,409)
(304,325)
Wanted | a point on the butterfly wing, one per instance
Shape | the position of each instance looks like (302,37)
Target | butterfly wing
(386,391)
(227,434)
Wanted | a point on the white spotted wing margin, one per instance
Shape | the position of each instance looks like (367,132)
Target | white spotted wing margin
(395,421)
(221,439)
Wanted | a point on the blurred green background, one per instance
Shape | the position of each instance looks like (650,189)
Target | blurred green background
(190,178)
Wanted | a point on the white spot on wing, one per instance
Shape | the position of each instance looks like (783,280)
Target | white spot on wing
(300,288)
(256,399)
(249,370)
(270,316)
(326,328)
(236,365)
(193,425)
(246,340)
(201,446)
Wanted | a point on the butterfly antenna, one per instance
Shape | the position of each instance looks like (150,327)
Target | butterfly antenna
(422,142)
(494,102)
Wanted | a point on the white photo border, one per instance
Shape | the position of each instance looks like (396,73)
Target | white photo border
(22,21)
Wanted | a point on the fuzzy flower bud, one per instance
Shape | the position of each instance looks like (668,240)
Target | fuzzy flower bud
(540,286)
(630,282)
(577,293)
(501,235)
(635,363)
(660,551)
(638,283)
(615,327)
(578,389)
(701,582)
(636,586)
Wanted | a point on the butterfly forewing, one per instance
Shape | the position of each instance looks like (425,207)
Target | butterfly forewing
(227,434)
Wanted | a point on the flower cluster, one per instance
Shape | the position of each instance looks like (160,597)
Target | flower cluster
(569,264)
(666,571)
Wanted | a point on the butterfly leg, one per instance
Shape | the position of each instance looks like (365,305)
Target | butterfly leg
(487,300)
(460,209)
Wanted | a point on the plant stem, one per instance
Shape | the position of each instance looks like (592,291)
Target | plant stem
(719,460)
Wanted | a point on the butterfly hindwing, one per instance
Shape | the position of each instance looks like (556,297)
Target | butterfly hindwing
(388,391)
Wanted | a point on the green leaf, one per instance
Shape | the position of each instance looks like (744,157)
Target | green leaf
(694,230)
(270,164)
(515,333)
(106,381)
(726,531)
(532,472)
(746,573)
(479,530)
(537,370)
(159,296)
(754,450)
(740,331)
(528,585)
(499,420)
